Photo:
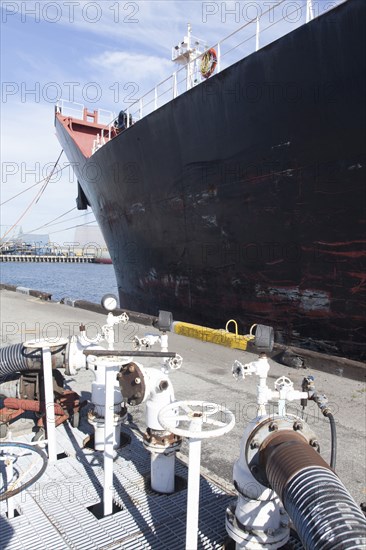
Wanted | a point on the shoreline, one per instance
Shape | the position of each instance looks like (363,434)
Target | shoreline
(287,355)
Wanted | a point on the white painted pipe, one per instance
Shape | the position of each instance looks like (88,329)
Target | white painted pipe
(99,434)
(170,417)
(9,476)
(98,400)
(163,472)
(98,390)
(109,432)
(193,493)
(49,403)
(164,341)
(193,496)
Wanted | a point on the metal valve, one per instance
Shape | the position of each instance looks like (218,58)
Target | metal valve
(144,342)
(283,382)
(196,419)
(172,363)
(259,367)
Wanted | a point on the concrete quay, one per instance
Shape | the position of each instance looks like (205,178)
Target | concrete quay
(23,258)
(206,375)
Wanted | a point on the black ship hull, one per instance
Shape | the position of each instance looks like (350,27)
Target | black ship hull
(244,197)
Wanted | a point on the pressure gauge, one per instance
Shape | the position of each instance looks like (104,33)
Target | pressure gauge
(109,302)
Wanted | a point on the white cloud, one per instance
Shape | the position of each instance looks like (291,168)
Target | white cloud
(132,67)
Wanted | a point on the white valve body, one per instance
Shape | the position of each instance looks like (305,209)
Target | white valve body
(157,398)
(162,459)
(163,472)
(98,389)
(97,415)
(258,508)
(259,519)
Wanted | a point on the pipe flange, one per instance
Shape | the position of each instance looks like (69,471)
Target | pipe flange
(131,379)
(263,430)
(43,343)
(270,538)
(159,449)
(161,441)
(99,421)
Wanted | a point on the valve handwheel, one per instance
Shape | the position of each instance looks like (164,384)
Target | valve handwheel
(196,419)
(282,382)
(176,362)
(14,450)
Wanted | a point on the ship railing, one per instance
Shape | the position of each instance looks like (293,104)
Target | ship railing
(265,27)
(262,29)
(99,141)
(105,117)
(70,108)
(78,111)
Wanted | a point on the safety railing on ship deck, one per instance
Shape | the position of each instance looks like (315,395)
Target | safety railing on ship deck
(260,31)
(263,29)
(70,108)
(76,110)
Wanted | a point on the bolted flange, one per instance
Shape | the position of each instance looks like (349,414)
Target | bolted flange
(132,383)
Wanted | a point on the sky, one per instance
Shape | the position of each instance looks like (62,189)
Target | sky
(106,55)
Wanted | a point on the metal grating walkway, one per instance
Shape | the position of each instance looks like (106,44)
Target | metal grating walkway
(53,513)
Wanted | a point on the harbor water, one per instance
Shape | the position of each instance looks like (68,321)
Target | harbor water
(63,280)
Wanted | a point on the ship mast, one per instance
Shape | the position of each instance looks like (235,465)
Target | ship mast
(309,10)
(186,52)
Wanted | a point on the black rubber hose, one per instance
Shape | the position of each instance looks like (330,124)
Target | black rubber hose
(333,432)
(12,360)
(17,358)
(324,514)
(35,449)
(322,401)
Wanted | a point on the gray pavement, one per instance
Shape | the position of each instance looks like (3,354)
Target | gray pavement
(206,375)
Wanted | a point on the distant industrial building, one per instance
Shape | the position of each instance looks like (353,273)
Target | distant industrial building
(89,234)
(32,239)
